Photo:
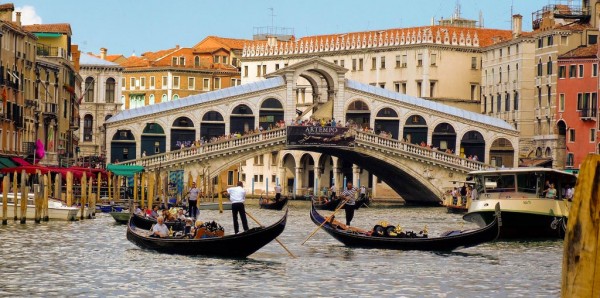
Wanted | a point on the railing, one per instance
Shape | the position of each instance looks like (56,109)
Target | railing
(51,108)
(588,113)
(419,151)
(225,146)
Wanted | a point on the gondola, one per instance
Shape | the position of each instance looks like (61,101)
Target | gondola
(446,242)
(146,223)
(325,204)
(231,246)
(272,204)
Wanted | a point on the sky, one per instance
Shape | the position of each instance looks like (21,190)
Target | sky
(137,26)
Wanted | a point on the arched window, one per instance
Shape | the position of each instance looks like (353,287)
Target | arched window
(175,97)
(151,99)
(197,61)
(539,68)
(164,98)
(549,66)
(110,90)
(89,89)
(88,128)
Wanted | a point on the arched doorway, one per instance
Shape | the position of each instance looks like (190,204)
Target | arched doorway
(387,120)
(122,146)
(415,130)
(212,126)
(502,153)
(358,113)
(154,140)
(444,137)
(241,119)
(473,144)
(271,111)
(182,132)
(288,163)
(308,177)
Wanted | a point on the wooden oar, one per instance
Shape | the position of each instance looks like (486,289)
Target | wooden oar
(280,243)
(326,220)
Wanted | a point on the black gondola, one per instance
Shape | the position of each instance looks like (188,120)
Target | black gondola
(231,246)
(272,204)
(448,241)
(325,203)
(146,223)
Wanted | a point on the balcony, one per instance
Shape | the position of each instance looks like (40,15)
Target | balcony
(588,114)
(74,123)
(48,51)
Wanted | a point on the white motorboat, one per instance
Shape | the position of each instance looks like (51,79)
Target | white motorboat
(526,212)
(57,210)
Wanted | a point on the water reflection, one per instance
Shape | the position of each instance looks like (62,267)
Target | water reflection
(93,258)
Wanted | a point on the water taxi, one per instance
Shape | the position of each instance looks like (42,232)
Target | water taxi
(57,210)
(527,209)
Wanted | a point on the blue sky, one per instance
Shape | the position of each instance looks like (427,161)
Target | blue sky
(125,26)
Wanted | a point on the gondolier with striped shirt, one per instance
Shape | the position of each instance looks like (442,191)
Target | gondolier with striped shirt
(349,194)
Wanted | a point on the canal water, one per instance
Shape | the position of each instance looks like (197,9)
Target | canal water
(93,258)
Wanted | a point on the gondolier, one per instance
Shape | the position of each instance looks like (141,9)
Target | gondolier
(349,195)
(237,196)
(193,194)
(277,192)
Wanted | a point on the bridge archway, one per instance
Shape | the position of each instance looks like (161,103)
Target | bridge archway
(502,153)
(387,120)
(241,119)
(182,133)
(444,137)
(415,130)
(358,113)
(153,138)
(122,146)
(271,111)
(288,164)
(212,125)
(307,179)
(473,144)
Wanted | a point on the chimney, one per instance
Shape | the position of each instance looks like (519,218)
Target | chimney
(18,18)
(517,25)
(177,46)
(103,53)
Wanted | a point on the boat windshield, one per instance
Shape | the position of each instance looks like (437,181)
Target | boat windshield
(499,183)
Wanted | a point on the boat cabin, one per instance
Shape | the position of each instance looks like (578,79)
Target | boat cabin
(527,182)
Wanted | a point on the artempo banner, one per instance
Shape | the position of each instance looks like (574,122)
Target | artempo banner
(320,136)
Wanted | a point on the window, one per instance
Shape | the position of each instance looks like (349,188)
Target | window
(431,89)
(234,61)
(592,135)
(276,66)
(264,70)
(473,91)
(151,99)
(539,68)
(404,60)
(335,62)
(419,60)
(206,84)
(570,159)
(398,61)
(217,83)
(516,103)
(592,39)
(382,62)
(197,61)
(500,75)
(571,135)
(382,85)
(258,160)
(89,89)
(191,83)
(549,66)
(473,62)
(215,59)
(397,87)
(225,59)
(549,89)
(175,82)
(88,128)
(353,64)
(561,102)
(360,64)
(498,103)
(110,90)
(152,83)
(507,102)
(131,83)
(142,83)
(540,43)
(580,74)
(245,71)
(182,61)
(258,68)
(572,71)
(433,59)
(550,40)
(229,177)
(164,81)
(123,83)
(373,62)
(174,61)
(341,63)
(562,72)
(236,82)
(580,103)
(594,70)
(419,89)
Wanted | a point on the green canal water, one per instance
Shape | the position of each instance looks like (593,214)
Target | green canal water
(93,258)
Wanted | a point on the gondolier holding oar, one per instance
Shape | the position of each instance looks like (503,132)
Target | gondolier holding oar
(237,196)
(349,195)
(193,200)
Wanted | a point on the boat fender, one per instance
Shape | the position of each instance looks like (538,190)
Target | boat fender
(390,231)
(378,231)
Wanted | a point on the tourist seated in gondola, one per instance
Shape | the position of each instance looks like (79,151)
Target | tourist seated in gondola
(138,211)
(180,215)
(160,229)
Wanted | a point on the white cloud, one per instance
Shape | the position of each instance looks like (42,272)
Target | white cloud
(28,15)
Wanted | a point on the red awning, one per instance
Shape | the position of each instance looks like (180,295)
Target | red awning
(33,169)
(20,161)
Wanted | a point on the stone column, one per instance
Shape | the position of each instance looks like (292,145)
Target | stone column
(355,175)
(299,182)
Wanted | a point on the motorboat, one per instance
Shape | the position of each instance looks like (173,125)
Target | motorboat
(57,210)
(527,210)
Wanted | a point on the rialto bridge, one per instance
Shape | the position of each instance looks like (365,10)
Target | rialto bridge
(153,135)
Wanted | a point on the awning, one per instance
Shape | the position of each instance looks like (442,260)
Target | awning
(124,170)
(535,162)
(5,162)
(19,161)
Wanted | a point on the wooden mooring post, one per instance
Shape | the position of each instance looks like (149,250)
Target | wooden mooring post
(581,256)
(5,185)
(37,218)
(90,198)
(15,200)
(47,187)
(24,197)
(83,195)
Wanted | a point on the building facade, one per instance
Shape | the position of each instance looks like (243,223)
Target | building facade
(101,100)
(577,108)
